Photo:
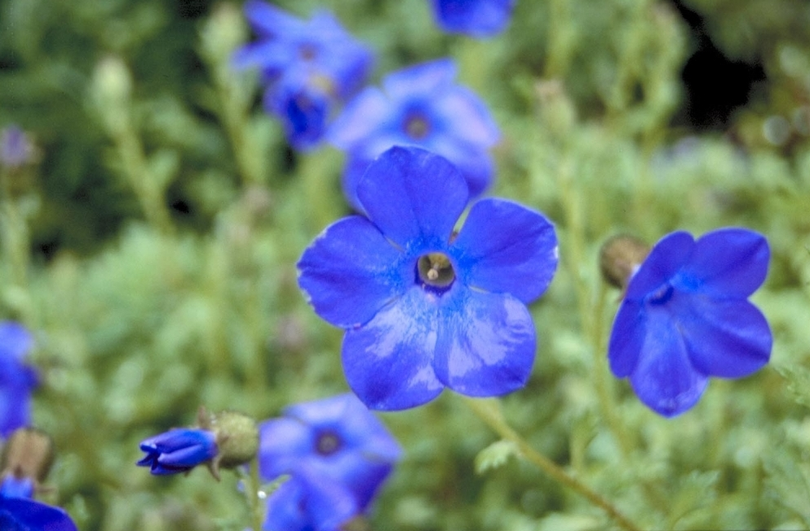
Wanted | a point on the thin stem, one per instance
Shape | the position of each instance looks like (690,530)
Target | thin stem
(489,412)
(253,493)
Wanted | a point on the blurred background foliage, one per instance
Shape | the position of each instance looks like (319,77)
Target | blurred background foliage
(151,246)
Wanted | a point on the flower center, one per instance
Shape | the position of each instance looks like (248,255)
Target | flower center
(417,126)
(435,270)
(327,443)
(307,52)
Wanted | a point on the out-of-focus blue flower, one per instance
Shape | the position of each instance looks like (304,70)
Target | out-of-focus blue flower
(178,450)
(423,308)
(20,514)
(17,380)
(16,149)
(420,106)
(477,18)
(338,455)
(308,68)
(685,317)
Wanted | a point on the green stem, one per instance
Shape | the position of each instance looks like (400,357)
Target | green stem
(135,168)
(252,485)
(489,412)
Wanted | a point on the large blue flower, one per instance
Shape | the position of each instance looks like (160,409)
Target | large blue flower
(422,307)
(308,68)
(178,450)
(17,380)
(422,106)
(478,18)
(21,514)
(685,317)
(338,455)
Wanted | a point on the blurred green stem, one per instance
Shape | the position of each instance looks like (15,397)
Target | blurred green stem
(136,170)
(489,411)
(253,493)
(591,318)
(16,243)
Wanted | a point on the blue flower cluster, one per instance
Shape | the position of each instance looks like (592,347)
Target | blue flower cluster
(477,18)
(308,67)
(337,455)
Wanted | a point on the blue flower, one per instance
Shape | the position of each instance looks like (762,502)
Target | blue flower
(17,380)
(338,455)
(685,317)
(178,450)
(422,106)
(477,18)
(308,67)
(21,514)
(16,148)
(424,309)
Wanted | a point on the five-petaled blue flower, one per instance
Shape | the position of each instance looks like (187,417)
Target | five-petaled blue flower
(685,317)
(337,454)
(178,450)
(422,106)
(308,67)
(22,514)
(17,380)
(477,18)
(422,307)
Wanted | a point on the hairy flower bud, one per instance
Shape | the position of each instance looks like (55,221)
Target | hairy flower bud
(619,257)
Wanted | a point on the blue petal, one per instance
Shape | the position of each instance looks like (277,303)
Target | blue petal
(305,503)
(271,21)
(725,338)
(478,18)
(486,343)
(627,338)
(14,487)
(504,247)
(271,56)
(422,79)
(33,515)
(15,341)
(387,361)
(351,271)
(360,120)
(474,162)
(415,197)
(302,109)
(466,117)
(188,457)
(176,439)
(283,443)
(15,405)
(728,263)
(664,378)
(352,421)
(663,262)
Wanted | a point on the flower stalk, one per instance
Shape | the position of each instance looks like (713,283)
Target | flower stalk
(489,412)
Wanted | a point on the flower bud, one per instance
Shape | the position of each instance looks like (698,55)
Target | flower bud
(222,440)
(25,462)
(237,437)
(619,258)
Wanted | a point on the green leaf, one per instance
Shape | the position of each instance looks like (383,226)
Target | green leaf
(494,455)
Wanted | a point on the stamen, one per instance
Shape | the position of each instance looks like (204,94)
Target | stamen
(435,270)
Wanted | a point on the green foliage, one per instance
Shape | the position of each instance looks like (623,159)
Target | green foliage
(152,249)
